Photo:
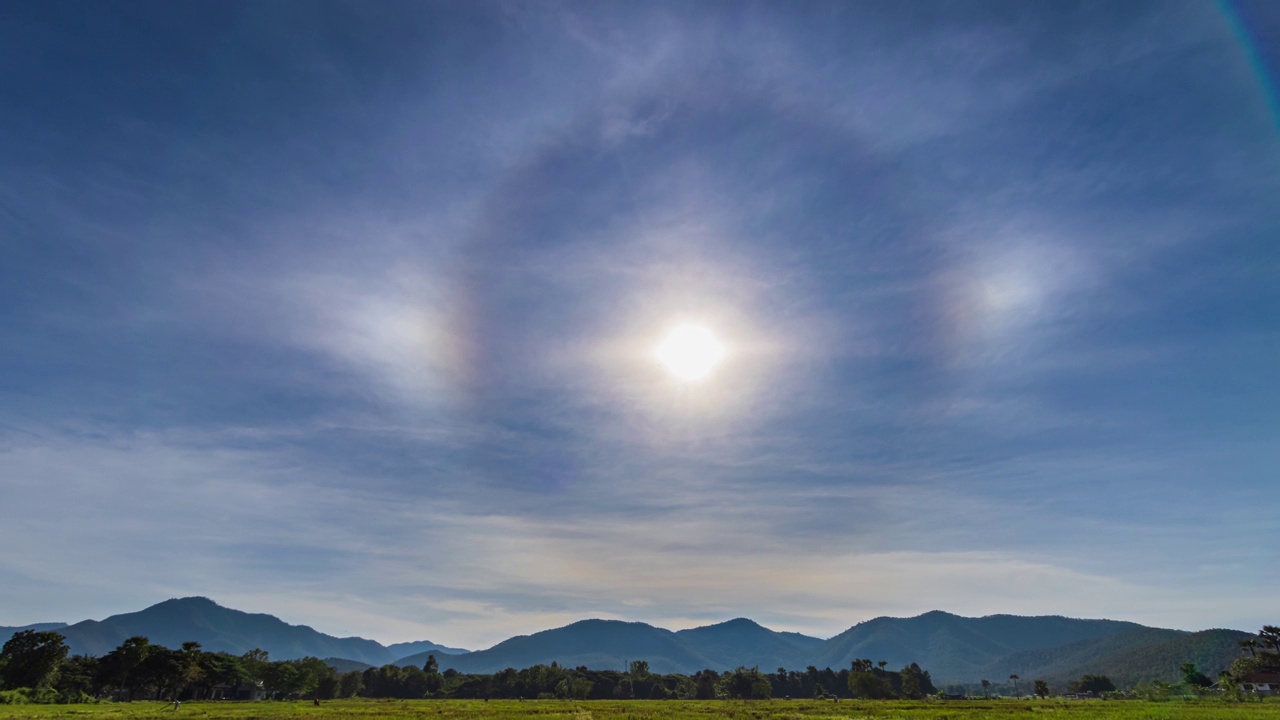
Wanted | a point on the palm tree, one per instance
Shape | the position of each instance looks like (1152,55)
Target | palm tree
(986,688)
(1251,645)
(1271,634)
(1014,678)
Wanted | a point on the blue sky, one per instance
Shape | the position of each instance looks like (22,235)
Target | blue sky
(347,312)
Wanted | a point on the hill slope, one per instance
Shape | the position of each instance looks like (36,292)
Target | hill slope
(399,650)
(342,665)
(598,644)
(1212,651)
(744,642)
(7,632)
(1067,662)
(217,628)
(954,648)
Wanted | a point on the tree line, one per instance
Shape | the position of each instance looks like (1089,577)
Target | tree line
(35,667)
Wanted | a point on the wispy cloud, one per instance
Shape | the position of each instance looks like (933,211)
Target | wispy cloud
(377,330)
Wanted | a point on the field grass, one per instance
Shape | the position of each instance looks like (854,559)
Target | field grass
(661,709)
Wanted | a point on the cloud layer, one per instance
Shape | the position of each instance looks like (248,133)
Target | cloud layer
(349,316)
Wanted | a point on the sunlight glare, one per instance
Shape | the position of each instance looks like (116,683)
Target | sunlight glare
(690,352)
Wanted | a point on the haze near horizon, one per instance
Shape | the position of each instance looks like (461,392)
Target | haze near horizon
(465,320)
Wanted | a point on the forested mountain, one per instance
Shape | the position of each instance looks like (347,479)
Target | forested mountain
(1128,658)
(953,649)
(7,632)
(342,665)
(217,628)
(401,649)
(610,644)
(598,644)
(807,642)
(746,643)
(1212,651)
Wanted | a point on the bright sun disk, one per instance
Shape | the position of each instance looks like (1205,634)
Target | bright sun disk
(690,352)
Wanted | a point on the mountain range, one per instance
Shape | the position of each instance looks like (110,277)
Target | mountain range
(221,629)
(954,649)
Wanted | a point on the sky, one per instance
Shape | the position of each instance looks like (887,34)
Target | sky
(349,312)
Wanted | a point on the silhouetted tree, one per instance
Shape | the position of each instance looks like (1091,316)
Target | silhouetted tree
(1192,676)
(744,683)
(705,682)
(1270,635)
(30,659)
(76,678)
(1096,684)
(865,683)
(118,668)
(351,684)
(910,684)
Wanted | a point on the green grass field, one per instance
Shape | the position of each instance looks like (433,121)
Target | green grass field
(658,709)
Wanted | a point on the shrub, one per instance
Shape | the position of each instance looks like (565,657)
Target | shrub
(25,696)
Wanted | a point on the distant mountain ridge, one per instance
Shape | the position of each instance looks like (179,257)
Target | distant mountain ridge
(952,648)
(602,644)
(958,648)
(221,629)
(7,632)
(402,649)
(744,642)
(1139,656)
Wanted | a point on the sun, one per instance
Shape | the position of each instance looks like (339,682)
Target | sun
(690,352)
